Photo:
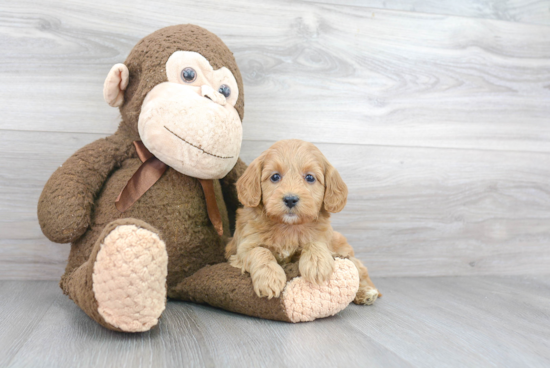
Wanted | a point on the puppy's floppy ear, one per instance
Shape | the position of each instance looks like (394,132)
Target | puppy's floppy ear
(249,185)
(336,191)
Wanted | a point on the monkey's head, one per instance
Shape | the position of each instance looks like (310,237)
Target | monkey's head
(181,91)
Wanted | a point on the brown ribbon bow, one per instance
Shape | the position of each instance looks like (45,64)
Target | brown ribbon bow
(149,173)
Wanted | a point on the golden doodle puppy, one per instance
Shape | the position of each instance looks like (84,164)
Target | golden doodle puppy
(288,193)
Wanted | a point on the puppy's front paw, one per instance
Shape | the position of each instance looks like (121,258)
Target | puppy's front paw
(269,280)
(316,267)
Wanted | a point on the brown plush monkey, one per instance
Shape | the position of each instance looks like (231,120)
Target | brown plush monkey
(144,209)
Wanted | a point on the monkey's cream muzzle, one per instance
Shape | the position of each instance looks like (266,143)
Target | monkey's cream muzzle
(191,129)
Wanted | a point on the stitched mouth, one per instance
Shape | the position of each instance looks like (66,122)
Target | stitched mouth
(192,145)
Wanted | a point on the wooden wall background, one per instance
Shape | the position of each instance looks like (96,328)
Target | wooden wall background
(436,113)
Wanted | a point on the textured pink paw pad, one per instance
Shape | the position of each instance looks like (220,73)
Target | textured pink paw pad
(129,278)
(304,301)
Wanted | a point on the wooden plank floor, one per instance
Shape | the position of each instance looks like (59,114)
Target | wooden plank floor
(420,322)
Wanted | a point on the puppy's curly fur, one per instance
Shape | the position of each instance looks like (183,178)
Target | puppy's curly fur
(288,193)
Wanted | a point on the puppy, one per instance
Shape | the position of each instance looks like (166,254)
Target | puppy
(288,193)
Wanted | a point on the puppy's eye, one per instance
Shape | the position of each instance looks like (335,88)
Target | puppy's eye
(275,178)
(188,75)
(310,178)
(225,90)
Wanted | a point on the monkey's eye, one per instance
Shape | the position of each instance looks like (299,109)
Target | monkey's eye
(310,178)
(188,75)
(275,177)
(225,90)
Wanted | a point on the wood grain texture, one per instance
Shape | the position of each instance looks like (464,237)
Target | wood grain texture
(374,76)
(22,307)
(438,123)
(420,322)
(536,12)
(410,211)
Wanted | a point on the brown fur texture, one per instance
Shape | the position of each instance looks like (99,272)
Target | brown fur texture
(77,204)
(242,299)
(147,63)
(270,232)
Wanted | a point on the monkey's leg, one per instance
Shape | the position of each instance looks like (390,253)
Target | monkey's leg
(122,286)
(226,287)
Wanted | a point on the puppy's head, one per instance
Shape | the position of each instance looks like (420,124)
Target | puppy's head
(294,182)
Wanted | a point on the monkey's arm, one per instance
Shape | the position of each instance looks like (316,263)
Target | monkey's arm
(230,192)
(65,205)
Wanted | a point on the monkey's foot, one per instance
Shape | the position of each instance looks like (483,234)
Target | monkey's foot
(227,287)
(304,301)
(129,278)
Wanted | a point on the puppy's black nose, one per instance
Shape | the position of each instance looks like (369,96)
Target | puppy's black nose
(290,201)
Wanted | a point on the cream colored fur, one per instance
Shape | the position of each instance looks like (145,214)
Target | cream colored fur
(206,75)
(264,236)
(115,84)
(190,133)
(305,301)
(129,278)
(188,125)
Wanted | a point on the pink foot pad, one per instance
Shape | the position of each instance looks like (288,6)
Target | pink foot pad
(130,278)
(304,301)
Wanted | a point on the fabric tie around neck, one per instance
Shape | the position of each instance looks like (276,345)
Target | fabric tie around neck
(149,173)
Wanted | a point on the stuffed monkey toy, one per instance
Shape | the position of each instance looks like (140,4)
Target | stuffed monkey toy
(149,209)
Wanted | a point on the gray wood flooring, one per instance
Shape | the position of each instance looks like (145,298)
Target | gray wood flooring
(477,321)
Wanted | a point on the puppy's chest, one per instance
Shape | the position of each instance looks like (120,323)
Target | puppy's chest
(285,250)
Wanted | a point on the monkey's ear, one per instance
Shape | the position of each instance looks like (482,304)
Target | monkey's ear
(249,185)
(336,191)
(115,84)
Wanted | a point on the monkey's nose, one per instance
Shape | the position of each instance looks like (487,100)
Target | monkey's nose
(208,92)
(291,200)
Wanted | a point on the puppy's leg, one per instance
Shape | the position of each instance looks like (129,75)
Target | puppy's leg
(231,248)
(316,263)
(268,278)
(367,292)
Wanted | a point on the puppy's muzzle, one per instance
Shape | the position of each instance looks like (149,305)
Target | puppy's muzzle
(291,200)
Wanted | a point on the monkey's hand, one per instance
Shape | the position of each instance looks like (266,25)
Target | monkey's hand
(64,209)
(65,205)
